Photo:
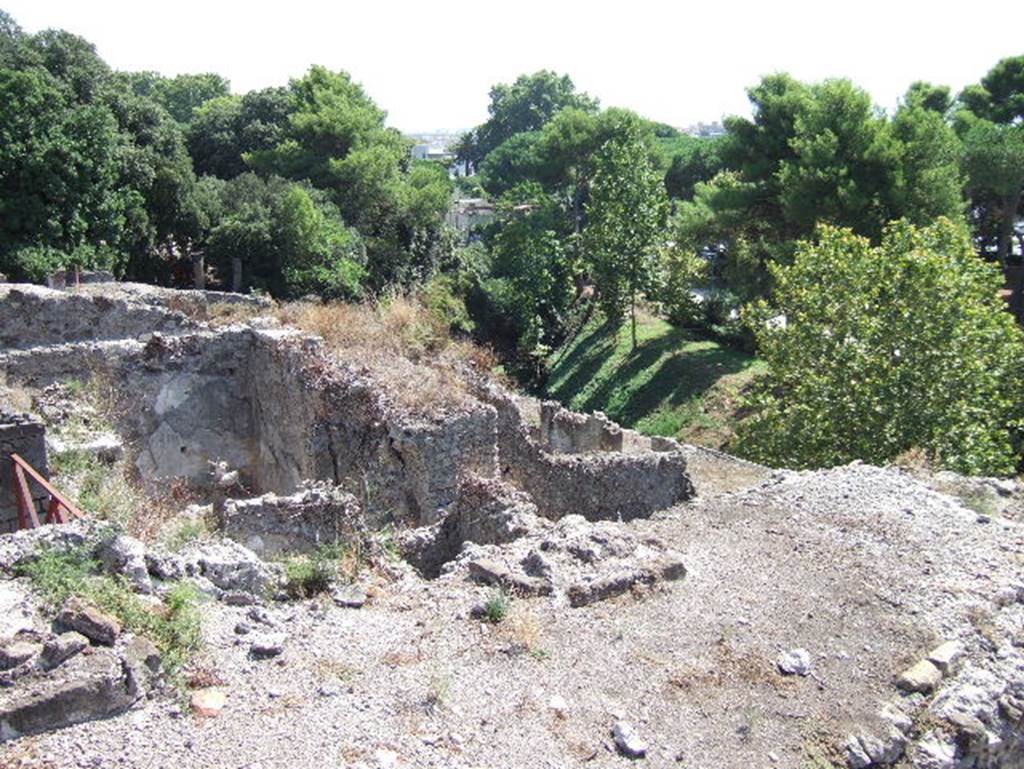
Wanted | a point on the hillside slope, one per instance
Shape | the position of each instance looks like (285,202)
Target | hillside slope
(676,383)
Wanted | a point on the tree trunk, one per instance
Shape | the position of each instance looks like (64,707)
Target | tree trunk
(1010,203)
(632,313)
(236,274)
(199,271)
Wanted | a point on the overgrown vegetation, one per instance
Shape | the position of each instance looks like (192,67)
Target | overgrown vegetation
(410,345)
(310,574)
(174,628)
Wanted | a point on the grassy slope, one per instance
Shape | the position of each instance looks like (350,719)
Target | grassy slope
(676,383)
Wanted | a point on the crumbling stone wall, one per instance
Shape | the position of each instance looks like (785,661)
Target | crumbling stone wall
(24,435)
(319,419)
(270,403)
(32,316)
(568,432)
(270,524)
(596,485)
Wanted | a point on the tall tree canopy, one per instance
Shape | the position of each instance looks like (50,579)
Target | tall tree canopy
(822,153)
(991,122)
(525,105)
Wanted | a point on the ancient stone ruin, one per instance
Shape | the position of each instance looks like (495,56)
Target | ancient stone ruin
(614,596)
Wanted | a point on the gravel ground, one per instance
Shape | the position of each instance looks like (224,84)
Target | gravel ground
(866,569)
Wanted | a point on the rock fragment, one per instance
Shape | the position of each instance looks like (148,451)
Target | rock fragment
(628,741)
(16,653)
(96,625)
(349,596)
(922,677)
(208,702)
(796,662)
(127,555)
(61,648)
(267,644)
(946,656)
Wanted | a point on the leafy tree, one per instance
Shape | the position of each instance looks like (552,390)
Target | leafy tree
(183,95)
(626,216)
(336,139)
(999,97)
(994,159)
(930,181)
(991,122)
(157,184)
(935,98)
(58,166)
(874,350)
(319,255)
(288,239)
(513,162)
(692,160)
(821,153)
(223,130)
(525,105)
(70,59)
(526,280)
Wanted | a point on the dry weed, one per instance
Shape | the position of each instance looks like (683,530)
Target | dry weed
(408,347)
(521,626)
(219,314)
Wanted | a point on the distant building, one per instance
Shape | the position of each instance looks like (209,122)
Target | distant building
(468,213)
(432,152)
(705,130)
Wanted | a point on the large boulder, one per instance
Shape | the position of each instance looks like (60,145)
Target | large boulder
(83,689)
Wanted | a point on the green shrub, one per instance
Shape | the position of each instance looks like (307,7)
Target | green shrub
(310,574)
(59,574)
(176,630)
(497,606)
(884,349)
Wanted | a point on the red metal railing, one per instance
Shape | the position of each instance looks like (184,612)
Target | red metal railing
(59,510)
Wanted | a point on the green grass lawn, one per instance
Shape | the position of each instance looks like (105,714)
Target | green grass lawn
(676,383)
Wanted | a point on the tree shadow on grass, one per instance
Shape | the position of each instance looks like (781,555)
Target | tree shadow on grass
(587,357)
(669,374)
(680,378)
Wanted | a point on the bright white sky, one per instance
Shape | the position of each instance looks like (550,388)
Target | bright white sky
(431,64)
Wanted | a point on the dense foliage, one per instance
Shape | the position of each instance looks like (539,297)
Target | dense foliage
(299,189)
(875,350)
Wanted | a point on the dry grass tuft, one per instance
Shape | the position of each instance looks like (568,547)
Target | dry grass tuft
(408,346)
(521,626)
(219,314)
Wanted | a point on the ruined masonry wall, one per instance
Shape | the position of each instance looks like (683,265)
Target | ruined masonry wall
(316,419)
(599,485)
(32,316)
(273,405)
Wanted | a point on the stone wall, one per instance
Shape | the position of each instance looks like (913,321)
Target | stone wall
(24,435)
(273,405)
(270,524)
(320,419)
(31,316)
(598,484)
(569,432)
(270,404)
